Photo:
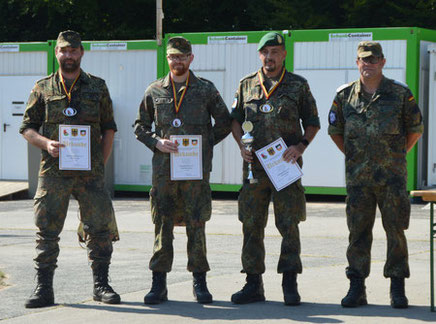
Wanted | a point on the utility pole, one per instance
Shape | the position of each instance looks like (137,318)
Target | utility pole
(159,18)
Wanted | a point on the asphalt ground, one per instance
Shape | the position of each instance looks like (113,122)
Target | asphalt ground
(322,284)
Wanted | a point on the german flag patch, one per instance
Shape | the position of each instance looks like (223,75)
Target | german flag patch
(411,98)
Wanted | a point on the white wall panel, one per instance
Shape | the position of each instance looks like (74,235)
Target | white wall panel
(23,63)
(208,57)
(226,65)
(18,73)
(342,55)
(431,129)
(241,59)
(424,67)
(127,74)
(323,163)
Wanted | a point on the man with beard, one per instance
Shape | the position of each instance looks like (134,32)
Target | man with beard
(71,97)
(271,103)
(375,121)
(180,104)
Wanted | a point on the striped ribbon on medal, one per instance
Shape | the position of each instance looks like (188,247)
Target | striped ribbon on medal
(68,93)
(269,93)
(178,104)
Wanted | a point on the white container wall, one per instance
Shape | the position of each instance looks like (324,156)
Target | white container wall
(127,74)
(326,66)
(18,73)
(225,65)
(431,153)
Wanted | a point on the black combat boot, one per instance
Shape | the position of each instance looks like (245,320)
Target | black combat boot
(398,296)
(43,295)
(251,292)
(102,291)
(158,292)
(356,295)
(200,288)
(290,291)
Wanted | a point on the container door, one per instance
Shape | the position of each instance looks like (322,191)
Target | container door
(14,92)
(225,63)
(431,164)
(127,74)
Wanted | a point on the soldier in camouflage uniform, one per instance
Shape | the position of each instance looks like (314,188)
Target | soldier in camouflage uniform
(71,97)
(180,104)
(274,101)
(375,121)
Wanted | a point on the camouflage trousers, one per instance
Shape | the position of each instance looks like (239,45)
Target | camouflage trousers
(180,203)
(394,206)
(289,209)
(96,214)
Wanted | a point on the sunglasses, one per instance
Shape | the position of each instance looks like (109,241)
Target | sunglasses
(370,59)
(178,58)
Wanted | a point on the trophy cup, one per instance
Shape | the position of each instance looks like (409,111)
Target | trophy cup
(247,140)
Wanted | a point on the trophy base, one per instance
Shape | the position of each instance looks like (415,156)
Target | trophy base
(251,181)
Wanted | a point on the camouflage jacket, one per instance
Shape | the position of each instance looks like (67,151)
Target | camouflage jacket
(91,99)
(375,131)
(292,104)
(201,102)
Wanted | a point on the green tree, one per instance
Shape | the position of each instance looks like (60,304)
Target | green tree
(39,20)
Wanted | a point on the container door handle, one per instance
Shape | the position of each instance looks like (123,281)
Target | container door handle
(4,126)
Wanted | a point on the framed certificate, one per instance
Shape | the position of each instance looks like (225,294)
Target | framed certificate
(280,172)
(76,155)
(187,163)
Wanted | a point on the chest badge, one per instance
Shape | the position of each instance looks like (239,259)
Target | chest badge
(69,112)
(176,122)
(266,108)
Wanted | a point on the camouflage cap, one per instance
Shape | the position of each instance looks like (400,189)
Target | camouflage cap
(179,45)
(68,38)
(271,39)
(369,48)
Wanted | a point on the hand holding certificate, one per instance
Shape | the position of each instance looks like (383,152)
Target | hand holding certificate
(76,153)
(280,172)
(187,164)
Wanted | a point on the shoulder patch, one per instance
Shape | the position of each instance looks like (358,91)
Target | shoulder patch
(344,86)
(205,80)
(400,84)
(333,118)
(297,77)
(235,103)
(92,76)
(248,76)
(44,78)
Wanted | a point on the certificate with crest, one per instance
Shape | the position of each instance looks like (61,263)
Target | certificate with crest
(187,163)
(280,172)
(76,154)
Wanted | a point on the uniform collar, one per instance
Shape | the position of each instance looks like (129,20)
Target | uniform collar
(193,80)
(257,81)
(84,77)
(384,86)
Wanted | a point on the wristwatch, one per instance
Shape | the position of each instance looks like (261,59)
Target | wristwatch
(305,142)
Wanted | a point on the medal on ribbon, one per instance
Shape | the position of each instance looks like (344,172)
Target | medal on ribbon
(269,93)
(177,122)
(69,112)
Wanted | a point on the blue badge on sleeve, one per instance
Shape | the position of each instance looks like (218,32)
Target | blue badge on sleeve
(332,118)
(235,103)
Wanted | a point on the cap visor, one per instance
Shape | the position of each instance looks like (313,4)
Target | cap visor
(364,54)
(174,51)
